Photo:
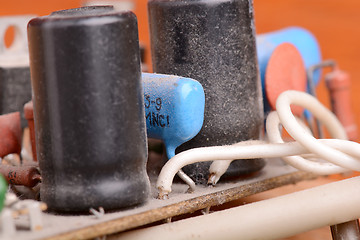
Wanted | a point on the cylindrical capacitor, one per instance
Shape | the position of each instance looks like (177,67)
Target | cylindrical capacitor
(212,42)
(338,83)
(21,175)
(89,109)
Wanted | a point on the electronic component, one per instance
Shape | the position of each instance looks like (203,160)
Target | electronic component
(21,175)
(301,38)
(89,109)
(212,42)
(338,83)
(174,109)
(285,70)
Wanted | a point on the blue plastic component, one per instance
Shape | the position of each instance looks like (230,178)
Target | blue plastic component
(303,40)
(174,109)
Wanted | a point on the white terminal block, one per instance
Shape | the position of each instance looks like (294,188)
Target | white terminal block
(15,77)
(17,53)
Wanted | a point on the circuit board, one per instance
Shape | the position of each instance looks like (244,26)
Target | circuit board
(56,226)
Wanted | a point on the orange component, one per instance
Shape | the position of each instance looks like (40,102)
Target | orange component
(29,115)
(338,84)
(10,138)
(285,71)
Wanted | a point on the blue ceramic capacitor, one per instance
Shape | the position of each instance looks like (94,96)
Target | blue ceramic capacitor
(301,38)
(174,109)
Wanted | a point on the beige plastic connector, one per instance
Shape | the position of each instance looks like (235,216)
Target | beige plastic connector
(17,53)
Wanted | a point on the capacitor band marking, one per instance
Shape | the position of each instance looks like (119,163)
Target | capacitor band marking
(149,102)
(155,119)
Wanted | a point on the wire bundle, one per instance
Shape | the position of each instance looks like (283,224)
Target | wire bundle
(305,153)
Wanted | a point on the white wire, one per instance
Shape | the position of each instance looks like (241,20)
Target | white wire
(325,116)
(219,167)
(274,135)
(187,180)
(204,154)
(339,152)
(224,153)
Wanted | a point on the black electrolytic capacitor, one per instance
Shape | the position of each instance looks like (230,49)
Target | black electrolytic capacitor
(213,42)
(89,109)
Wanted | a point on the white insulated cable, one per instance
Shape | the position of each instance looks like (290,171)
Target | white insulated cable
(299,162)
(344,153)
(187,180)
(325,116)
(204,154)
(224,153)
(219,167)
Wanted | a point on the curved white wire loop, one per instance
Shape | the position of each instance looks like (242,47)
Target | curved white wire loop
(325,116)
